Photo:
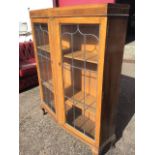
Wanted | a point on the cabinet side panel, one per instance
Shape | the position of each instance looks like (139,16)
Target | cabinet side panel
(116,34)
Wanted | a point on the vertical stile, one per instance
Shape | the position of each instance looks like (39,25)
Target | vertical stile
(84,77)
(72,42)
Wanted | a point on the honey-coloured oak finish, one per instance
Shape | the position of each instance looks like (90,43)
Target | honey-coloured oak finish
(79,53)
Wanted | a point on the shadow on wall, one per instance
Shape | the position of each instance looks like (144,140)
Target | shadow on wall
(126,108)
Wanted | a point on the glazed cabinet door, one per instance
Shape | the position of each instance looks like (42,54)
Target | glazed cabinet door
(81,47)
(45,64)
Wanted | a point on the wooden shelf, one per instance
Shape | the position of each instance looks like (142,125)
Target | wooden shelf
(89,106)
(85,124)
(81,122)
(48,84)
(44,48)
(81,56)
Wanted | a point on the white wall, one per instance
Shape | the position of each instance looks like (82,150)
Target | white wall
(32,4)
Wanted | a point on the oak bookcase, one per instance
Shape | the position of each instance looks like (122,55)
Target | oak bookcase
(79,53)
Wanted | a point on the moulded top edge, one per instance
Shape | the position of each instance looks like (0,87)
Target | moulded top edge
(82,10)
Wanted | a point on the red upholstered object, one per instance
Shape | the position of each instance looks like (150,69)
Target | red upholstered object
(28,82)
(62,3)
(26,51)
(27,66)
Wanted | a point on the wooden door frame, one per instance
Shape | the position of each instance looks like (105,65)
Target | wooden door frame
(102,21)
(43,105)
(102,48)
